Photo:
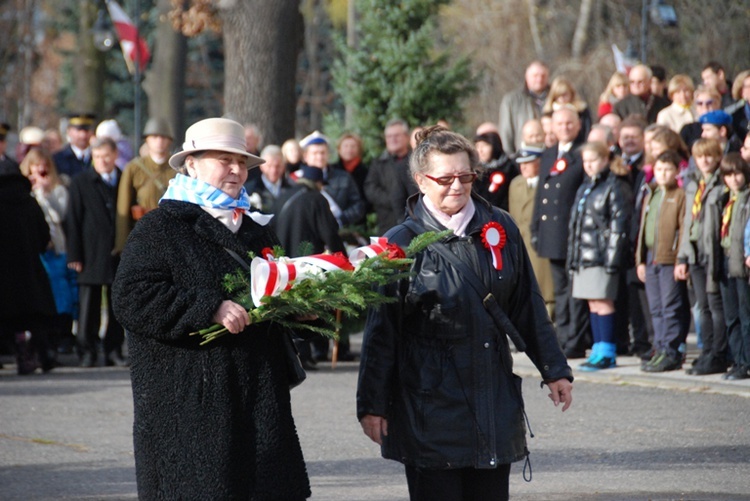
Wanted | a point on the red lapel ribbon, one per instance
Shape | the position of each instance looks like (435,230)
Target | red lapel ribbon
(493,237)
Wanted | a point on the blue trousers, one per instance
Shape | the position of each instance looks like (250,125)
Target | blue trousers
(735,294)
(669,306)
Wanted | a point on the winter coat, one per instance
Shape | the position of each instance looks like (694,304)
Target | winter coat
(342,188)
(521,205)
(25,292)
(740,217)
(213,421)
(495,189)
(303,217)
(67,162)
(598,229)
(558,182)
(705,250)
(90,227)
(143,183)
(668,230)
(634,105)
(517,107)
(436,365)
(387,186)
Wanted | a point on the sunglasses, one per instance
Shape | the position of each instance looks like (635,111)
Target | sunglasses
(448,180)
(704,103)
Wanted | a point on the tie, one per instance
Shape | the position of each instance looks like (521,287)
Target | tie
(698,200)
(726,216)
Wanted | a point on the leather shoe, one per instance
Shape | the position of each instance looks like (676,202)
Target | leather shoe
(704,370)
(115,360)
(741,372)
(88,360)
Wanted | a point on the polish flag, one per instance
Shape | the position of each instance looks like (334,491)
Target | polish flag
(134,47)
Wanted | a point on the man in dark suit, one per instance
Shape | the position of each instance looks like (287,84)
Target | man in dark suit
(91,241)
(7,164)
(560,175)
(76,156)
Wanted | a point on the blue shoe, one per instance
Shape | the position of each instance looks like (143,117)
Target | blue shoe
(598,364)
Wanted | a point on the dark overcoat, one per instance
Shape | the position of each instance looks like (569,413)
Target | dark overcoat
(24,287)
(90,227)
(212,421)
(554,197)
(68,163)
(436,365)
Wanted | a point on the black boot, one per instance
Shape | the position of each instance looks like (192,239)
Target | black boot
(25,355)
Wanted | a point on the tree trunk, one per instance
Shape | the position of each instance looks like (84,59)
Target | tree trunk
(262,40)
(582,26)
(89,66)
(534,28)
(165,80)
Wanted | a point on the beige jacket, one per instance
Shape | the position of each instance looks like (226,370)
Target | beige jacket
(143,183)
(521,208)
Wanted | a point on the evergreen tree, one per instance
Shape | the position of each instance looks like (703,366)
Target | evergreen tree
(396,71)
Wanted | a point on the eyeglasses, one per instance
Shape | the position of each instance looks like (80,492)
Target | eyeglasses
(448,180)
(709,102)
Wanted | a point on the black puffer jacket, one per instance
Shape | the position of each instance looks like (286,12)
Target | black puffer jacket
(599,224)
(435,364)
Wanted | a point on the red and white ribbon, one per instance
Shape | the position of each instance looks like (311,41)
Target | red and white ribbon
(270,278)
(493,237)
(377,246)
(496,179)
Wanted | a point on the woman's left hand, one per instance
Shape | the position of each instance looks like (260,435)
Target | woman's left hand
(561,391)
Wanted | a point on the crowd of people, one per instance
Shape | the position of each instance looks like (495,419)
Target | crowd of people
(92,192)
(623,228)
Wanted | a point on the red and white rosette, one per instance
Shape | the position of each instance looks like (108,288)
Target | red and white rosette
(496,179)
(377,246)
(560,166)
(493,237)
(270,278)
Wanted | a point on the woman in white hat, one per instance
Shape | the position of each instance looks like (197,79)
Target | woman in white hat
(213,421)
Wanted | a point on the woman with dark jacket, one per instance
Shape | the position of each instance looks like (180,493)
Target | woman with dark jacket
(213,421)
(26,301)
(496,171)
(598,246)
(436,387)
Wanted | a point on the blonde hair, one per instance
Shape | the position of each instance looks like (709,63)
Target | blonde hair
(707,146)
(616,165)
(677,82)
(616,79)
(561,86)
(737,85)
(40,156)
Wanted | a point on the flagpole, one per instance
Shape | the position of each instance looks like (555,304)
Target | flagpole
(137,83)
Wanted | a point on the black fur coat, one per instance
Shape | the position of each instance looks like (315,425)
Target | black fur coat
(214,421)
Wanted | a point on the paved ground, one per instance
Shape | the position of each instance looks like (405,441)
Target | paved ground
(67,435)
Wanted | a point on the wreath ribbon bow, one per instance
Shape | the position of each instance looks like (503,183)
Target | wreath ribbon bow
(494,237)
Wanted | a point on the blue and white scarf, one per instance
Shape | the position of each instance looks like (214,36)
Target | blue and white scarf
(187,189)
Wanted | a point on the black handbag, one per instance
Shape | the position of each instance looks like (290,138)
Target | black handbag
(295,372)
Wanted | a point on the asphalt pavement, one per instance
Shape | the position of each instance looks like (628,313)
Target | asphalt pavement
(628,436)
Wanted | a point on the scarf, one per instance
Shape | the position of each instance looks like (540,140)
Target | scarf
(698,200)
(457,222)
(352,164)
(187,189)
(726,216)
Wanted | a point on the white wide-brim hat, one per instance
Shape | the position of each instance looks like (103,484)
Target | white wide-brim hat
(214,134)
